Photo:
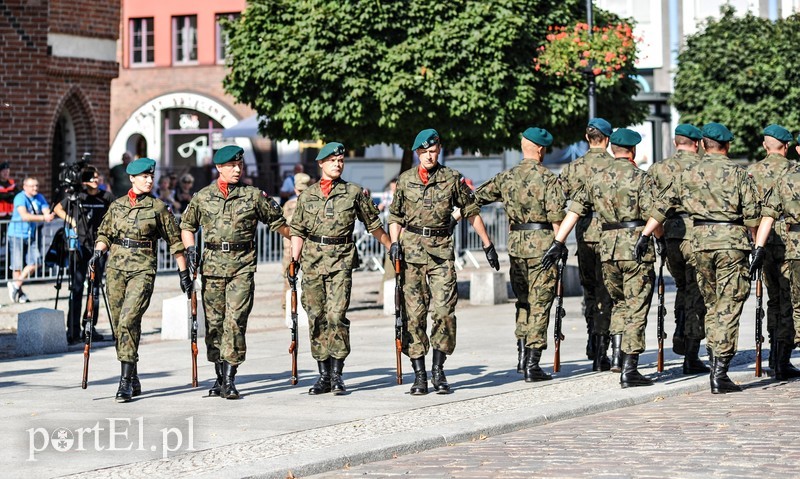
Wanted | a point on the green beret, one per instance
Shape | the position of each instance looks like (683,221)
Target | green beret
(540,136)
(603,126)
(426,139)
(717,132)
(778,132)
(228,153)
(332,148)
(689,131)
(625,137)
(142,165)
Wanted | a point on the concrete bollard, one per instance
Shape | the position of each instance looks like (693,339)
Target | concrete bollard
(487,288)
(41,331)
(175,322)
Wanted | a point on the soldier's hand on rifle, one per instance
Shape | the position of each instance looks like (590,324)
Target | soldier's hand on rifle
(758,260)
(187,285)
(395,252)
(491,256)
(95,260)
(640,250)
(192,259)
(556,251)
(452,226)
(661,246)
(291,272)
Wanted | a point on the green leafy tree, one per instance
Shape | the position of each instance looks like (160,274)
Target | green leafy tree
(368,72)
(739,71)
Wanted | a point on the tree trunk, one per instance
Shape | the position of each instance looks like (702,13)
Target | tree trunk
(408,159)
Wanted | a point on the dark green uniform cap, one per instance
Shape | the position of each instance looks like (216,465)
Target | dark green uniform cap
(228,153)
(142,165)
(332,148)
(689,131)
(426,139)
(600,124)
(778,132)
(540,136)
(625,137)
(717,132)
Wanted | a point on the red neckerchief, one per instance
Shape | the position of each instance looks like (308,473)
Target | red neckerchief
(132,197)
(326,186)
(423,174)
(633,162)
(223,187)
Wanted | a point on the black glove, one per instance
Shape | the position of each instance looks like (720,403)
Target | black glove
(294,267)
(758,260)
(192,259)
(186,281)
(95,259)
(661,247)
(452,226)
(395,252)
(556,251)
(491,257)
(641,248)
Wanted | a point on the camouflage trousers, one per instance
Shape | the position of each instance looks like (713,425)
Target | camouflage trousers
(779,303)
(596,300)
(681,265)
(326,298)
(534,288)
(630,285)
(129,295)
(793,269)
(725,285)
(423,284)
(227,303)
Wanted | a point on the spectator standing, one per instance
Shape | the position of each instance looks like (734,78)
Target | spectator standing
(185,191)
(165,194)
(119,178)
(287,188)
(8,190)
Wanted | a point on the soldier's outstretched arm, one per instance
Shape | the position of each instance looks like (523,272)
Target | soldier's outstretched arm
(285,231)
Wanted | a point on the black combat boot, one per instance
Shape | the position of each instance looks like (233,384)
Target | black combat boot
(616,353)
(323,384)
(125,391)
(520,355)
(216,388)
(720,382)
(136,385)
(691,359)
(590,350)
(438,379)
(631,377)
(533,372)
(229,390)
(784,370)
(678,338)
(337,384)
(420,386)
(601,361)
(771,358)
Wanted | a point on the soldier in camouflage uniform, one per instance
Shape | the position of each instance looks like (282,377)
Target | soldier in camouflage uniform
(765,173)
(322,240)
(722,201)
(422,210)
(690,311)
(229,213)
(534,203)
(596,300)
(621,194)
(301,182)
(130,231)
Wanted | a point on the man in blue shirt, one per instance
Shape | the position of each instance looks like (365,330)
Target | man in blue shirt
(30,207)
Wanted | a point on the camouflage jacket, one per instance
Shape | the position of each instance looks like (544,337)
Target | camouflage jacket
(783,200)
(234,220)
(619,192)
(678,225)
(148,220)
(332,216)
(765,173)
(420,205)
(530,193)
(573,177)
(714,189)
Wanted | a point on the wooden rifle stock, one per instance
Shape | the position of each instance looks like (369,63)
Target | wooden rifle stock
(193,318)
(293,344)
(759,321)
(88,320)
(662,313)
(560,313)
(398,321)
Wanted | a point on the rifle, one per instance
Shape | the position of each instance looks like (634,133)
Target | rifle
(662,314)
(88,322)
(560,313)
(759,321)
(193,319)
(293,345)
(398,320)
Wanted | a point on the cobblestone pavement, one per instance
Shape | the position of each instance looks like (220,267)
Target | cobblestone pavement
(750,434)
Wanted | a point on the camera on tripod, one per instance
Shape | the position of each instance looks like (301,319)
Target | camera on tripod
(70,177)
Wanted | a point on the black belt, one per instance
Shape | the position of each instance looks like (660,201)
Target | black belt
(531,226)
(228,246)
(130,243)
(331,239)
(715,222)
(623,225)
(427,232)
(793,228)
